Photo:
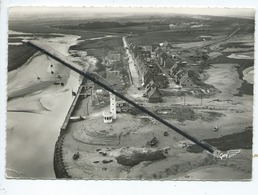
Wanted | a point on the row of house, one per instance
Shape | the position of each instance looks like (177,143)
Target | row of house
(151,73)
(153,93)
(178,69)
(183,75)
(164,58)
(157,52)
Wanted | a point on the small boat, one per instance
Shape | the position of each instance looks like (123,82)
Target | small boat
(77,118)
(76,156)
(215,128)
(154,141)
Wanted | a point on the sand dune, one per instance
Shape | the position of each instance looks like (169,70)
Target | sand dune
(248,75)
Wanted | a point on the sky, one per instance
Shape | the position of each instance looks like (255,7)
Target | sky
(196,11)
(162,3)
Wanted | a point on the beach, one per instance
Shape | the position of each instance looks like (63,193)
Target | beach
(36,110)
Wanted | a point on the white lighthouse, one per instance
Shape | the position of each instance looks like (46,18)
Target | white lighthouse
(113,105)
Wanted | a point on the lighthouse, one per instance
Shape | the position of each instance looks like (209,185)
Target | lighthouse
(113,105)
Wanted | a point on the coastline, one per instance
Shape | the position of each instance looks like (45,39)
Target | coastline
(43,123)
(59,167)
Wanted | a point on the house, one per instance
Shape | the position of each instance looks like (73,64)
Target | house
(133,48)
(147,77)
(121,103)
(147,48)
(187,81)
(154,95)
(153,74)
(167,45)
(184,78)
(153,55)
(161,80)
(205,38)
(160,56)
(173,69)
(176,67)
(151,85)
(158,51)
(154,46)
(145,55)
(169,62)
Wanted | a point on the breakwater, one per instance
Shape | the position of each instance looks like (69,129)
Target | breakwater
(59,167)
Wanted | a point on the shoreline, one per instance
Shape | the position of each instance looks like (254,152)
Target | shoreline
(59,167)
(43,125)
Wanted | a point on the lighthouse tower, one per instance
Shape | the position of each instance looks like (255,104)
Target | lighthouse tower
(113,105)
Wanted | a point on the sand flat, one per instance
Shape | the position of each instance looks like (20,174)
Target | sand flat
(41,127)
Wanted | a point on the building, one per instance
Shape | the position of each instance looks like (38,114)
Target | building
(148,48)
(107,117)
(158,51)
(176,67)
(147,77)
(113,105)
(134,49)
(161,56)
(154,95)
(151,84)
(145,55)
(154,46)
(167,45)
(205,38)
(161,80)
(187,81)
(169,61)
(183,78)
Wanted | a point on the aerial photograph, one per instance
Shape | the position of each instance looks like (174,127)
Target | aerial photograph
(130,93)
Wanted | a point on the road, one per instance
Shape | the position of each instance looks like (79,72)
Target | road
(213,43)
(132,67)
(133,89)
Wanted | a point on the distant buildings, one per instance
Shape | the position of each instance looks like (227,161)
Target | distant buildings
(145,55)
(153,61)
(184,76)
(152,93)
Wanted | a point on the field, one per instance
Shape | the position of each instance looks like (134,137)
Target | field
(107,43)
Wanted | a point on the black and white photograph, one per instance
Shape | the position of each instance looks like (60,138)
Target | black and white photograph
(108,93)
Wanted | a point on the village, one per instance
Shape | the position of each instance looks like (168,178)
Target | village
(162,79)
(162,69)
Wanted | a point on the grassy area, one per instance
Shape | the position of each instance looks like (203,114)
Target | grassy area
(175,36)
(18,55)
(107,43)
(42,28)
(14,40)
(241,140)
